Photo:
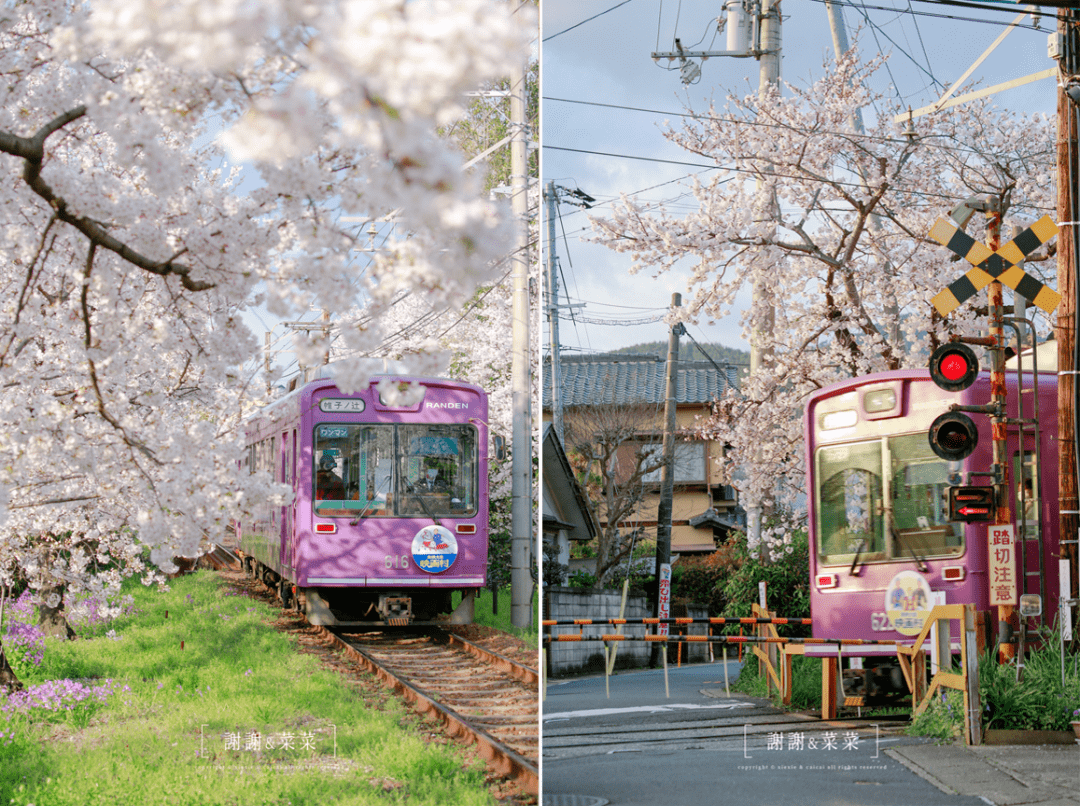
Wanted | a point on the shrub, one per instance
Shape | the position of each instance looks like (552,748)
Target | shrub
(701,579)
(787,580)
(943,718)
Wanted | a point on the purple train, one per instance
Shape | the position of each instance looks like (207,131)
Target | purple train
(883,549)
(389,513)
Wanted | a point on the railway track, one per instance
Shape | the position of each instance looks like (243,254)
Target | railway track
(478,695)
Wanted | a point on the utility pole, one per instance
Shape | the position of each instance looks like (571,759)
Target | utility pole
(550,197)
(753,29)
(521,468)
(840,46)
(667,471)
(762,312)
(1068,162)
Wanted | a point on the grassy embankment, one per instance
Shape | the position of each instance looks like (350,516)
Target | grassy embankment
(210,704)
(483,614)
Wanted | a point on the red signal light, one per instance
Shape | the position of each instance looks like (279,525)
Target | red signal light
(954,367)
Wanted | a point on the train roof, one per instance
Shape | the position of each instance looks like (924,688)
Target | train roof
(324,379)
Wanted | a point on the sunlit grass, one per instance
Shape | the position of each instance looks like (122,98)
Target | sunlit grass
(484,614)
(194,725)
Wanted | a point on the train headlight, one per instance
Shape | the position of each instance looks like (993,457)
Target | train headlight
(953,436)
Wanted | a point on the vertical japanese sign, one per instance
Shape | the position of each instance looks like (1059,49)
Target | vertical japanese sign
(1002,551)
(665,596)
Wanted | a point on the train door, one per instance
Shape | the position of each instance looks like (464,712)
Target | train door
(286,476)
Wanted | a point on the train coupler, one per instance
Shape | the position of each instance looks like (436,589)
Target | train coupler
(395,610)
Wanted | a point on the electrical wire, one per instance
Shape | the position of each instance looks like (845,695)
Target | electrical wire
(921,193)
(939,15)
(718,119)
(590,19)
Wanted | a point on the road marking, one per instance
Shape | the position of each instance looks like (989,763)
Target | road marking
(647,709)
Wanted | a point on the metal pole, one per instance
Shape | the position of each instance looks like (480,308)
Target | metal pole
(553,313)
(521,468)
(999,431)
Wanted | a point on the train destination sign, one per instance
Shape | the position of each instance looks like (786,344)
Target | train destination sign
(971,504)
(340,405)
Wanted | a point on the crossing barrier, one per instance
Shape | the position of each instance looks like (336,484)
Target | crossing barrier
(911,657)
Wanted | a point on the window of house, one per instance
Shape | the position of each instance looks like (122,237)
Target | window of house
(689,462)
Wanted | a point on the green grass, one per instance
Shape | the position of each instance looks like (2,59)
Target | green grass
(501,621)
(180,734)
(805,685)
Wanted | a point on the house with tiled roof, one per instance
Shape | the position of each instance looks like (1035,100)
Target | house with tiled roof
(704,508)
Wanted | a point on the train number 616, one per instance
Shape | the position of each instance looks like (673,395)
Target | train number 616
(394,561)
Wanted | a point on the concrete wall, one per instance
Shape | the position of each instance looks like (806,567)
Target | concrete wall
(587,657)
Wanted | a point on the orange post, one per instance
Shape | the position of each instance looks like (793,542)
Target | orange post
(829,669)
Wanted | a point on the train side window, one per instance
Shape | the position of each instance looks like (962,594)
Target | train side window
(1026,506)
(285,458)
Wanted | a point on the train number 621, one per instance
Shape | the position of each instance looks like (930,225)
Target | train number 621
(879,622)
(394,561)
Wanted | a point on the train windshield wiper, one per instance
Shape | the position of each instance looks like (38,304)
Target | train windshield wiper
(855,560)
(368,506)
(920,563)
(424,505)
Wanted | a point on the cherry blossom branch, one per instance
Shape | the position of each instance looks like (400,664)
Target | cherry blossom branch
(32,151)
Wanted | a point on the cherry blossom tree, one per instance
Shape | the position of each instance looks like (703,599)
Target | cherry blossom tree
(832,224)
(168,164)
(615,467)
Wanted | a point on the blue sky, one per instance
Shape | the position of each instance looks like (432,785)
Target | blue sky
(607,60)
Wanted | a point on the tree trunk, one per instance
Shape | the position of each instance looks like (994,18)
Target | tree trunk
(51,620)
(8,680)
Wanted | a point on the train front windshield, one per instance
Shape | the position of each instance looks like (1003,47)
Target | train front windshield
(396,470)
(881,500)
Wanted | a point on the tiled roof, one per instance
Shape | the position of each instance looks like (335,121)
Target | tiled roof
(614,378)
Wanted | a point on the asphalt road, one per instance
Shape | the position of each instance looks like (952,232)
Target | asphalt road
(639,747)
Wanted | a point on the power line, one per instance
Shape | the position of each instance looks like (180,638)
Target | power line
(939,15)
(590,19)
(922,193)
(714,118)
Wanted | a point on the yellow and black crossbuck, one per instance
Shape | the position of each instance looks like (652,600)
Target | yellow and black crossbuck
(988,266)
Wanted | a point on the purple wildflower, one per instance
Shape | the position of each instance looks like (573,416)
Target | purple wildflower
(57,695)
(25,641)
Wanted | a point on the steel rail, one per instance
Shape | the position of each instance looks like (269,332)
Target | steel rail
(501,758)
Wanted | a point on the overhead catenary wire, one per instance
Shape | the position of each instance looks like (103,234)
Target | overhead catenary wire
(921,193)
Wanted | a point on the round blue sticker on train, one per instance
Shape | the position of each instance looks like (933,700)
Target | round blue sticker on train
(434,549)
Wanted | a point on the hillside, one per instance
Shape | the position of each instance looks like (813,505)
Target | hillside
(688,351)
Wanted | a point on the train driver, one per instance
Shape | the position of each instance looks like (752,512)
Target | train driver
(328,484)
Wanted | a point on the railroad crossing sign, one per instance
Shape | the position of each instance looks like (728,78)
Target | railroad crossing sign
(988,266)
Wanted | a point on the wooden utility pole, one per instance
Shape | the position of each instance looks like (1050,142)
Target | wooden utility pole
(1068,161)
(667,471)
